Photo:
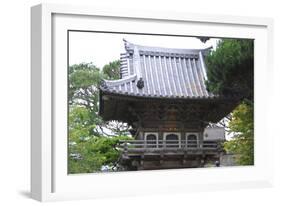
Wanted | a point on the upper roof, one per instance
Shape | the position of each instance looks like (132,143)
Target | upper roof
(160,72)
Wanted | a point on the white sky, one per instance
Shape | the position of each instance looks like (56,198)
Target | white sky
(102,48)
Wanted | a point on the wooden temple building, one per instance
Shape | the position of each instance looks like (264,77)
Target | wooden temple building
(162,95)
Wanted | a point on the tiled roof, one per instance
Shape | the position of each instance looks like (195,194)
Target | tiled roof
(160,72)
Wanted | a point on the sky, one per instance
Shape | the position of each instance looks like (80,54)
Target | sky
(102,48)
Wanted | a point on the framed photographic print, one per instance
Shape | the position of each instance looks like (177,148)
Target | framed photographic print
(134,102)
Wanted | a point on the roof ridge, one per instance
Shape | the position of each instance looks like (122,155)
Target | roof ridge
(110,83)
(143,49)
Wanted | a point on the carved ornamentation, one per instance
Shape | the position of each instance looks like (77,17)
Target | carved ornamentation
(140,83)
(103,84)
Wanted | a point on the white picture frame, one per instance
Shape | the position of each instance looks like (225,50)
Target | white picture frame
(49,178)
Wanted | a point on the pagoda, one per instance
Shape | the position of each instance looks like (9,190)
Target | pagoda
(162,95)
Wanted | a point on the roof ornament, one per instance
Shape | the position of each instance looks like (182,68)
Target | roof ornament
(140,83)
(126,43)
(103,84)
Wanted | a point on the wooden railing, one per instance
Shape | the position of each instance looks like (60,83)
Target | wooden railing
(137,145)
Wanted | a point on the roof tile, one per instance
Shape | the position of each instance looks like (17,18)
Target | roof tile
(166,72)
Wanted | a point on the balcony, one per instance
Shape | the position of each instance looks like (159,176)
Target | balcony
(168,147)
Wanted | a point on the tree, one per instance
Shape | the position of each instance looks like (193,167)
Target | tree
(80,141)
(83,91)
(90,154)
(230,71)
(242,144)
(87,152)
(90,147)
(231,68)
(112,70)
(84,80)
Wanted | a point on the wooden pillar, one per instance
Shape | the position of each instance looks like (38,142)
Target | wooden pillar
(201,138)
(183,139)
(160,136)
(141,135)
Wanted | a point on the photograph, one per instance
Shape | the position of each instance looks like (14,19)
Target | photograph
(154,101)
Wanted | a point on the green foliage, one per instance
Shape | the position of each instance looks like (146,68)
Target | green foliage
(83,81)
(242,144)
(231,68)
(89,147)
(82,158)
(112,70)
(89,154)
(231,71)
(107,147)
(79,123)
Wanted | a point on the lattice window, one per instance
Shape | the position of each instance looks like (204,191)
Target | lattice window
(151,140)
(172,140)
(192,140)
